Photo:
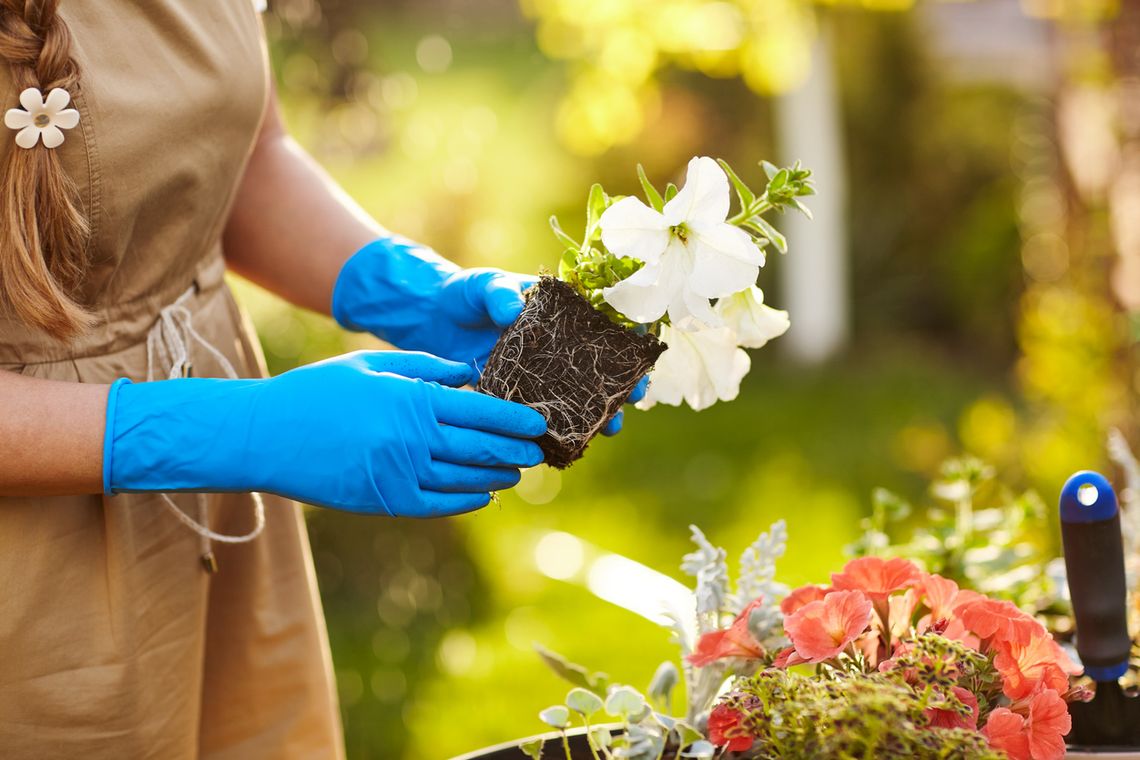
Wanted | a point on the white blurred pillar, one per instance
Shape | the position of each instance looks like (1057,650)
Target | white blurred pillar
(814,273)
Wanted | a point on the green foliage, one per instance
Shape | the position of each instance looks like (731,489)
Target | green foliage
(625,702)
(556,716)
(845,716)
(934,664)
(583,702)
(575,674)
(587,266)
(643,733)
(533,748)
(662,685)
(977,532)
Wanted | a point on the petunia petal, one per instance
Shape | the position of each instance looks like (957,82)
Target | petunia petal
(754,322)
(17,118)
(725,261)
(700,367)
(720,277)
(728,241)
(28,137)
(32,100)
(53,136)
(56,100)
(704,198)
(630,228)
(66,119)
(649,292)
(694,308)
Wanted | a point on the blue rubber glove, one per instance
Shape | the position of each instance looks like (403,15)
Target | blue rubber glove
(373,432)
(410,296)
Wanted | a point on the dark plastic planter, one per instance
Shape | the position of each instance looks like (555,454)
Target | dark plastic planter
(552,749)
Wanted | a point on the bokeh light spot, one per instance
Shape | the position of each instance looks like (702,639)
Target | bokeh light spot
(457,652)
(433,54)
(558,555)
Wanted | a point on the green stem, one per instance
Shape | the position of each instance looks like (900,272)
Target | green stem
(760,206)
(590,739)
(566,745)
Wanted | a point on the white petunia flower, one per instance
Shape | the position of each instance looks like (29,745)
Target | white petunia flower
(701,366)
(754,322)
(42,117)
(691,255)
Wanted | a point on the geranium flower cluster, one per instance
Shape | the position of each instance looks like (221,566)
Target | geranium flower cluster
(976,664)
(682,268)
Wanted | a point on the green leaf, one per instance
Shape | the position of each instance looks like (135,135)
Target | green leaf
(743,192)
(555,716)
(595,207)
(600,737)
(776,184)
(533,748)
(670,192)
(575,674)
(771,170)
(651,193)
(625,702)
(583,701)
(567,262)
(664,680)
(765,228)
(687,734)
(568,241)
(804,209)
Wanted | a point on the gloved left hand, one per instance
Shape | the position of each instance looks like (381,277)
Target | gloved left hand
(408,295)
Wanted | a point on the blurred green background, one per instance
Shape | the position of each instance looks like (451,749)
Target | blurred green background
(988,178)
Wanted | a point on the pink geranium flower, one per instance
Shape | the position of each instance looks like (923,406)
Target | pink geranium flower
(1040,736)
(734,641)
(900,611)
(877,577)
(802,596)
(1041,662)
(820,630)
(1048,723)
(788,657)
(940,595)
(998,621)
(1005,731)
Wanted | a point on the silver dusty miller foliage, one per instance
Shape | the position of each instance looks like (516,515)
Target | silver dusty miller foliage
(646,723)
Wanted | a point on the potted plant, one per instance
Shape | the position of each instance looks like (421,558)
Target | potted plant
(887,660)
(669,282)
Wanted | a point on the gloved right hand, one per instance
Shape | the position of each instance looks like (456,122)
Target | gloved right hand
(378,432)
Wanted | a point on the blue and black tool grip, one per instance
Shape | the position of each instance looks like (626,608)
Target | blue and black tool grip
(1094,560)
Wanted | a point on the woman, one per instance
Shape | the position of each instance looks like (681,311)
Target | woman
(145,156)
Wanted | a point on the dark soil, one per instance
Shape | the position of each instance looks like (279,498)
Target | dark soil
(571,363)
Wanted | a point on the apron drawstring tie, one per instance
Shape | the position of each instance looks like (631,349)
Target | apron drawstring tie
(168,344)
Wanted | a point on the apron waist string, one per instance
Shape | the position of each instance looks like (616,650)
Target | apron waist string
(168,344)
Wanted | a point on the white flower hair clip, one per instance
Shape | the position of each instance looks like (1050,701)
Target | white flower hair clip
(42,117)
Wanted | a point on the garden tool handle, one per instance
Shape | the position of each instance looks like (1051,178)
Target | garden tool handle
(1094,561)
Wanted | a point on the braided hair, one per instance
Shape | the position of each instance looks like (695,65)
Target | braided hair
(43,231)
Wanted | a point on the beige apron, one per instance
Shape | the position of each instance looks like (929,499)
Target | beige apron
(114,641)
